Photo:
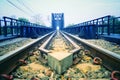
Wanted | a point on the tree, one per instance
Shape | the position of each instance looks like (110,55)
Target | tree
(70,25)
(23,19)
(39,19)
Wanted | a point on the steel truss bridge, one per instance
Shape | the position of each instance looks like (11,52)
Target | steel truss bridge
(90,29)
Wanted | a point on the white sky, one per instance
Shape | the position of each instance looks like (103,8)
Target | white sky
(75,11)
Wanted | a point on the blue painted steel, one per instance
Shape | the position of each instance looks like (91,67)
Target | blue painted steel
(95,28)
(17,28)
(88,32)
(57,20)
(89,29)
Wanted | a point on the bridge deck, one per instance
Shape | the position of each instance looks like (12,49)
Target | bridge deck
(112,37)
(10,36)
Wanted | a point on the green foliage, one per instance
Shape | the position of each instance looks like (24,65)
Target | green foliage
(69,25)
(23,19)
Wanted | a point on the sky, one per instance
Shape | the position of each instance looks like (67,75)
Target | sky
(75,11)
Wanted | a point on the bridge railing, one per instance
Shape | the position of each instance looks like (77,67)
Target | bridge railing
(15,27)
(115,25)
(1,26)
(104,25)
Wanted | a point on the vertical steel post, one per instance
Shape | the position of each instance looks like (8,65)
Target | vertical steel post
(108,26)
(21,28)
(113,26)
(5,26)
(11,27)
(97,33)
(0,26)
(102,27)
(17,27)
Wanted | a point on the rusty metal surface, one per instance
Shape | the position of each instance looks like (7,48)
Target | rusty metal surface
(60,57)
(9,61)
(110,59)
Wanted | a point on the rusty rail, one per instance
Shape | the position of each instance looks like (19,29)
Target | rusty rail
(110,59)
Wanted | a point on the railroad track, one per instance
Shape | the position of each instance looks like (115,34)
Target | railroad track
(110,59)
(103,57)
(10,60)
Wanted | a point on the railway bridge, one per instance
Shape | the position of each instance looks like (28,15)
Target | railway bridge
(106,27)
(85,51)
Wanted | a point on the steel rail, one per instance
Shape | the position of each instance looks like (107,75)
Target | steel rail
(59,61)
(10,60)
(110,59)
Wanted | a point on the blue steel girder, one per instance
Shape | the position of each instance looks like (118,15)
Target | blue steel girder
(103,23)
(22,28)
